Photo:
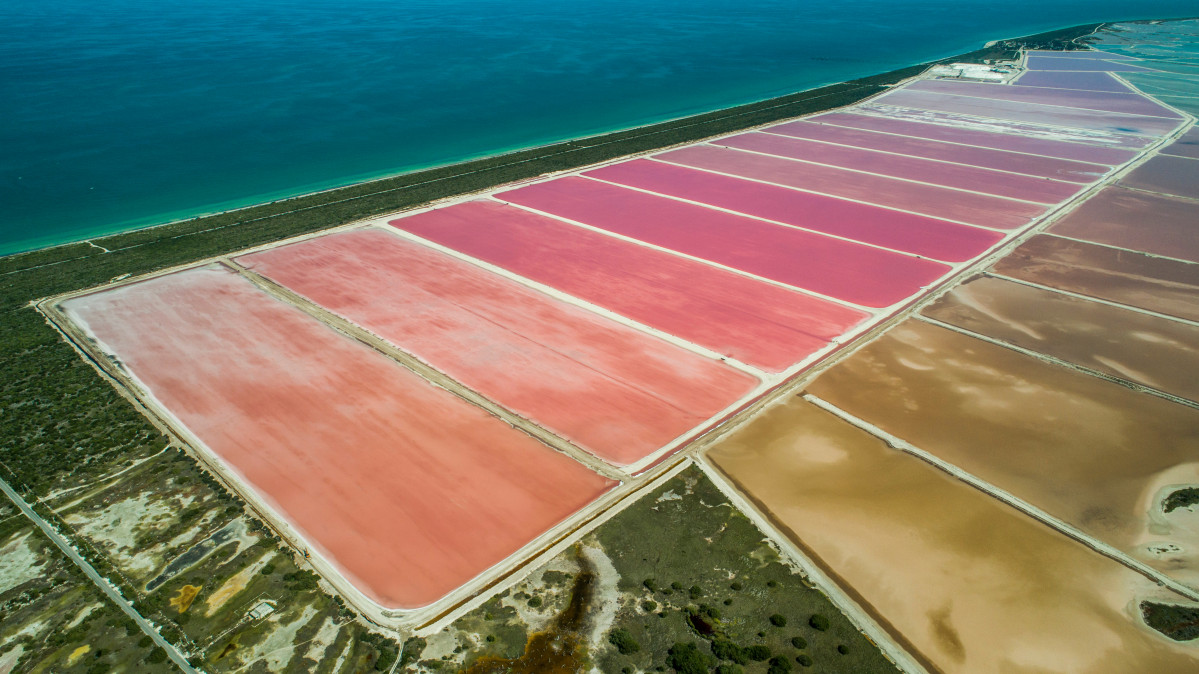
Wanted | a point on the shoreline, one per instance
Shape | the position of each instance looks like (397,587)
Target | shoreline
(546,150)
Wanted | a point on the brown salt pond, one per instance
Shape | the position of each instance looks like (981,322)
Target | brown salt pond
(1166,174)
(972,585)
(1138,280)
(1095,454)
(1153,223)
(1153,351)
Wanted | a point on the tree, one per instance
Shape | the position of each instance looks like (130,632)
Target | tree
(758,653)
(779,665)
(685,658)
(623,641)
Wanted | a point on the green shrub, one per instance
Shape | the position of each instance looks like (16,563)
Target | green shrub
(727,650)
(1182,498)
(685,658)
(729,669)
(534,602)
(413,648)
(804,660)
(818,622)
(623,641)
(736,587)
(696,592)
(676,585)
(267,570)
(649,605)
(799,643)
(387,656)
(650,584)
(778,620)
(758,653)
(157,655)
(779,665)
(843,649)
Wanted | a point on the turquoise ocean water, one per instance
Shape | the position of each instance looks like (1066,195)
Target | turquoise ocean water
(128,113)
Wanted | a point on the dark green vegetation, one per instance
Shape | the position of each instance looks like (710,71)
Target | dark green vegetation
(1066,39)
(52,618)
(65,428)
(664,566)
(1181,498)
(688,533)
(1180,623)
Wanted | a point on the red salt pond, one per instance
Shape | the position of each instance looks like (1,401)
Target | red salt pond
(1126,102)
(840,269)
(1081,81)
(989,138)
(976,209)
(980,180)
(1167,174)
(611,389)
(407,489)
(1042,62)
(1031,112)
(938,239)
(1153,223)
(757,323)
(1002,160)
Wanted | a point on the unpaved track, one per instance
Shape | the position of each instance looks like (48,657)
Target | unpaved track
(97,579)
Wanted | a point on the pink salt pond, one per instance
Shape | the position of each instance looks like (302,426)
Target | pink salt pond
(841,269)
(611,389)
(758,323)
(405,488)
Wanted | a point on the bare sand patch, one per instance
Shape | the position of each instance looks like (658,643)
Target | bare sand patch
(19,563)
(235,584)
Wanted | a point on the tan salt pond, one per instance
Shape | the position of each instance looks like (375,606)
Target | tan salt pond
(971,584)
(1146,349)
(1090,452)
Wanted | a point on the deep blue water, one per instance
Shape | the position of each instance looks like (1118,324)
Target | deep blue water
(126,113)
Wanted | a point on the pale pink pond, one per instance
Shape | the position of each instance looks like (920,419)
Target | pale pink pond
(1002,160)
(406,488)
(992,138)
(983,181)
(941,202)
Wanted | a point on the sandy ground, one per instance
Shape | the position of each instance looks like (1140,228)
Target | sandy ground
(19,563)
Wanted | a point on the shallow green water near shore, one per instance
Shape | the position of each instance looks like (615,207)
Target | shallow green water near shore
(131,113)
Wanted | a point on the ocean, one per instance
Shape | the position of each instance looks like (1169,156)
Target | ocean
(129,113)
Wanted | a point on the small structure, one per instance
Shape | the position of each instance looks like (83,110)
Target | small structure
(262,610)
